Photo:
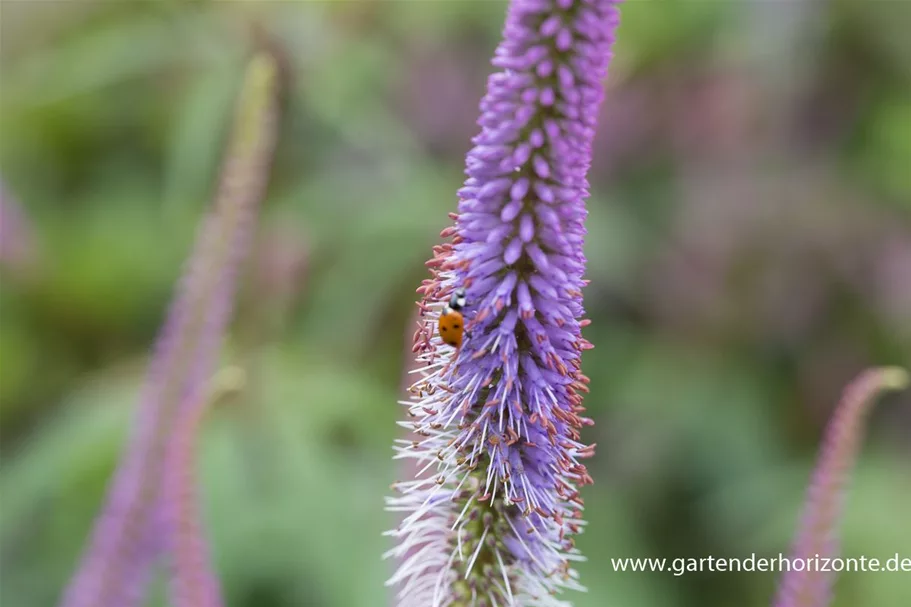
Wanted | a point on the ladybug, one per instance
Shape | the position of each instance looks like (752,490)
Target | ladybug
(451,324)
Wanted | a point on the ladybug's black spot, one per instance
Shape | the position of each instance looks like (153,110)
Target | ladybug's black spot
(442,329)
(456,326)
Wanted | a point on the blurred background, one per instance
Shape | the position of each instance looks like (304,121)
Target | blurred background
(749,252)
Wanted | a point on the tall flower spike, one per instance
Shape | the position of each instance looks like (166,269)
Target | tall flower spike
(192,580)
(818,532)
(489,519)
(128,535)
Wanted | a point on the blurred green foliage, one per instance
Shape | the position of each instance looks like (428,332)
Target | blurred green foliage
(749,246)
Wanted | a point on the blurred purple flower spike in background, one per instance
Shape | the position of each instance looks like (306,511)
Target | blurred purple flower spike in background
(490,517)
(818,531)
(136,526)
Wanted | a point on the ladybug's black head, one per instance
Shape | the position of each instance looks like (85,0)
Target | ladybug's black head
(457,301)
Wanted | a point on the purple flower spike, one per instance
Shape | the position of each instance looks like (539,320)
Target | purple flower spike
(193,582)
(818,532)
(489,519)
(132,531)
